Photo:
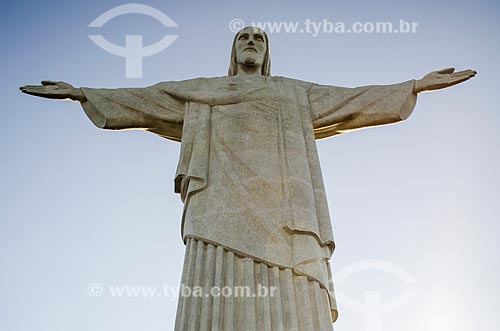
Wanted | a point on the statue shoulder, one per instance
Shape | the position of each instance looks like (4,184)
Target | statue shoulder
(292,81)
(191,84)
(212,84)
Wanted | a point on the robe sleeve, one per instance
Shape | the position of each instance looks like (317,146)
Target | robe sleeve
(150,108)
(337,110)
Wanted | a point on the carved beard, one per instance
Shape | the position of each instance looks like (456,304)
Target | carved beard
(250,59)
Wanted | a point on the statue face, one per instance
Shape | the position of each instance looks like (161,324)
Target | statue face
(250,47)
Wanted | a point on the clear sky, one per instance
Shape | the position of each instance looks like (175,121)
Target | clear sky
(81,205)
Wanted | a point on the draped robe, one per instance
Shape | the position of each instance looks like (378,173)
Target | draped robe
(248,172)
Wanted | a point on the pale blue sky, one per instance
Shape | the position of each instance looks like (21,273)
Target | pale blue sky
(81,205)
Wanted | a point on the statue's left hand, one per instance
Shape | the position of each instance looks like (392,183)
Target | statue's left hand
(442,78)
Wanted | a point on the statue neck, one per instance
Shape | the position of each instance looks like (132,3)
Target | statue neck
(249,70)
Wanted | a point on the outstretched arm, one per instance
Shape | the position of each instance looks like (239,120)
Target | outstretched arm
(336,110)
(150,108)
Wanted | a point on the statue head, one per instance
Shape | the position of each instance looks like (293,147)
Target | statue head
(250,48)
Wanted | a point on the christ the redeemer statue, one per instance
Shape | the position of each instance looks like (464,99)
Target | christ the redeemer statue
(255,210)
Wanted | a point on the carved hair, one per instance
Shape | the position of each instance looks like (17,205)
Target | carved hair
(266,66)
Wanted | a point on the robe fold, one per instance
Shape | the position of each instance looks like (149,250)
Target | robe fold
(248,171)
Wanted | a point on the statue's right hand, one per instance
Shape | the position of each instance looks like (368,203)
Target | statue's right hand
(54,90)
